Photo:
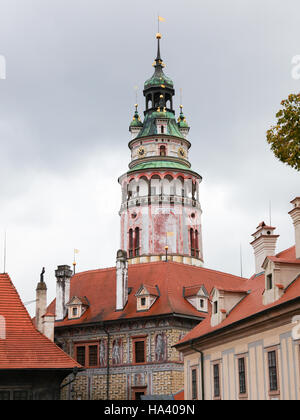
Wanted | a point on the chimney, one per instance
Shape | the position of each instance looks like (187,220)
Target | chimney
(41,302)
(48,325)
(63,276)
(295,215)
(264,244)
(122,280)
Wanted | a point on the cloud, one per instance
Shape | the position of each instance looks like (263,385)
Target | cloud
(66,105)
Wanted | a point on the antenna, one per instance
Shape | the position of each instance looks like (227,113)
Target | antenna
(4,254)
(241,259)
(270,212)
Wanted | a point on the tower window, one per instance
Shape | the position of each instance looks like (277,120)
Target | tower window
(162,129)
(130,243)
(196,244)
(192,242)
(162,151)
(137,242)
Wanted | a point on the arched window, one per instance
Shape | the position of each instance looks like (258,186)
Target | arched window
(137,242)
(162,129)
(130,244)
(192,242)
(196,244)
(162,150)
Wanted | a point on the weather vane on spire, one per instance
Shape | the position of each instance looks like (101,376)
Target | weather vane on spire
(159,19)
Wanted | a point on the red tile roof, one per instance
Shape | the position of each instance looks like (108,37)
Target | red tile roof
(286,256)
(252,303)
(23,346)
(99,286)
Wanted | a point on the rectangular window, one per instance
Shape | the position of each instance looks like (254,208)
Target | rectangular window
(269,282)
(139,349)
(216,370)
(93,355)
(194,384)
(201,303)
(87,354)
(143,301)
(80,355)
(75,311)
(242,375)
(272,363)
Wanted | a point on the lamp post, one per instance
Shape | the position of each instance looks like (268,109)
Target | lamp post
(166,248)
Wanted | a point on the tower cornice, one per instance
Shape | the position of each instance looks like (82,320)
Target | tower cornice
(157,137)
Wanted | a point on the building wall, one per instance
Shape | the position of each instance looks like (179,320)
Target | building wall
(255,349)
(155,376)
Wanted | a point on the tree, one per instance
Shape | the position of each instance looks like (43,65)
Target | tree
(284,137)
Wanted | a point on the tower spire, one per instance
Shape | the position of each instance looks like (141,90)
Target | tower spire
(158,57)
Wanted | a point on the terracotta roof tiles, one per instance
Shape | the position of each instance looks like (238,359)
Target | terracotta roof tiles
(21,345)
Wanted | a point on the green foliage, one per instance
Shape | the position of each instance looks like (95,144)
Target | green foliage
(284,137)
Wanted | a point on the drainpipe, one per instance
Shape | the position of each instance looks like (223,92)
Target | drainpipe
(202,369)
(107,368)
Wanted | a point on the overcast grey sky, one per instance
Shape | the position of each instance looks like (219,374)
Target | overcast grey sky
(66,105)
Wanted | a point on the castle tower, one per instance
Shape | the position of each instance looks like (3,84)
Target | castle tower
(160,211)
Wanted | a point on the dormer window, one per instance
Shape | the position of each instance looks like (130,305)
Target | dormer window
(146,296)
(197,296)
(215,306)
(77,307)
(269,281)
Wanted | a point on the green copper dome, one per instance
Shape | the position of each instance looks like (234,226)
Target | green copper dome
(182,120)
(150,125)
(159,164)
(136,122)
(159,79)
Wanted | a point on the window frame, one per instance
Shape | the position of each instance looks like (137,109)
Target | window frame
(269,281)
(242,395)
(135,339)
(86,345)
(273,392)
(194,383)
(218,364)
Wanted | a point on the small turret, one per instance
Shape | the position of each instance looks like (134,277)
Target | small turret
(182,124)
(136,124)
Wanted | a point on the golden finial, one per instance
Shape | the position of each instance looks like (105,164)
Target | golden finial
(161,96)
(158,35)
